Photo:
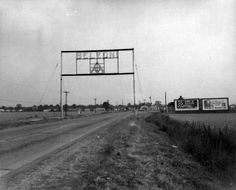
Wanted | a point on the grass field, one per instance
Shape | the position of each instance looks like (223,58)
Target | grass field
(9,116)
(14,116)
(217,119)
(213,147)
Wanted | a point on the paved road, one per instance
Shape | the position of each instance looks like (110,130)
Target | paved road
(24,145)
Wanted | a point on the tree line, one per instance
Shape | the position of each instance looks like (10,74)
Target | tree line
(54,108)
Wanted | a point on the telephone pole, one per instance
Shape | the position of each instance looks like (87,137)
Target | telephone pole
(165,103)
(95,103)
(66,92)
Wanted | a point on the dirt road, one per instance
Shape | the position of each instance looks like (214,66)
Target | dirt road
(23,146)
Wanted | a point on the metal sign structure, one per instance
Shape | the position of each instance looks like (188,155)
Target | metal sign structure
(187,104)
(215,104)
(97,65)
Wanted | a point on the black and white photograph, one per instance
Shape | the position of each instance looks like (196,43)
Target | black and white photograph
(118,95)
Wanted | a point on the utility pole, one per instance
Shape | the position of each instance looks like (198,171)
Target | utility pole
(95,103)
(66,92)
(150,98)
(165,103)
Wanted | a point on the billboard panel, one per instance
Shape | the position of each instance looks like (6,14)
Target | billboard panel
(214,104)
(187,105)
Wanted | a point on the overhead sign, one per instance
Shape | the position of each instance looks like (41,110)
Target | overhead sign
(215,104)
(187,105)
(97,55)
(97,60)
(97,63)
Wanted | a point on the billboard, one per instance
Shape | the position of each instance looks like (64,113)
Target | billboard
(214,104)
(187,104)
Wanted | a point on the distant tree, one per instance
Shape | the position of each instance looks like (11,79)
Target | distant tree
(91,107)
(65,107)
(57,107)
(40,108)
(106,105)
(157,103)
(11,108)
(45,106)
(129,105)
(28,109)
(171,104)
(34,108)
(74,106)
(18,107)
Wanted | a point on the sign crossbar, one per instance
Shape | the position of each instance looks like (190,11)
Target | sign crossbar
(97,74)
(103,50)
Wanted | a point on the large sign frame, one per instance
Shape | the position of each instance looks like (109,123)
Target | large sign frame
(215,104)
(97,62)
(192,104)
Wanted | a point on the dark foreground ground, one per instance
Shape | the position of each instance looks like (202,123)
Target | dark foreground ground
(129,154)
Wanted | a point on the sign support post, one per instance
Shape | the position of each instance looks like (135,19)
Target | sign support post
(61,105)
(133,78)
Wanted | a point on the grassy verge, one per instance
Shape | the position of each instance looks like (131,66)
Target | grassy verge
(212,147)
(111,168)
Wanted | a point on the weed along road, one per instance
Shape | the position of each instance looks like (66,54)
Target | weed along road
(22,147)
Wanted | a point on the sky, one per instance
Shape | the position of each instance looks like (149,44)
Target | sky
(184,47)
